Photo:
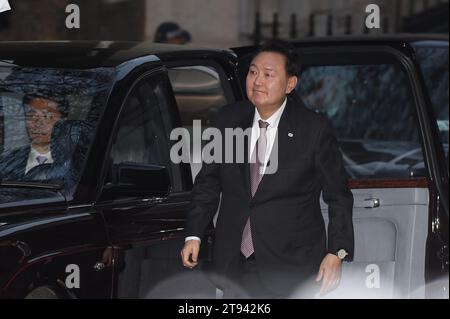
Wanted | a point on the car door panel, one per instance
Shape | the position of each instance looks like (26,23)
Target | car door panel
(147,244)
(390,240)
(49,268)
(147,233)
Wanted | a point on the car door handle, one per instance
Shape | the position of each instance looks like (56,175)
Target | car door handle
(371,202)
(153,200)
(146,202)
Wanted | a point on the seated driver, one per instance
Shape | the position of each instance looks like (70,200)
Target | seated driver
(41,114)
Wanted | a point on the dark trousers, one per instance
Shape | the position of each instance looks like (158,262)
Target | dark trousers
(249,283)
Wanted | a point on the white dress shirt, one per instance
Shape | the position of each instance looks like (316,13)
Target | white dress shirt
(271,132)
(4,5)
(32,161)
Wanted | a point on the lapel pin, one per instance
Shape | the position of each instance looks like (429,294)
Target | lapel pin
(290,134)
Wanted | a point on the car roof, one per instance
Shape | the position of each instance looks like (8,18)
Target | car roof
(400,37)
(395,40)
(94,54)
(89,54)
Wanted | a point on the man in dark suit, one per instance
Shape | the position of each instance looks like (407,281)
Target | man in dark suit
(41,115)
(270,235)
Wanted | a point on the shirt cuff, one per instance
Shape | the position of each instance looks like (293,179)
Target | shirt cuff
(192,238)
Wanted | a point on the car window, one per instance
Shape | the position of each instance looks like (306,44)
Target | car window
(372,109)
(432,57)
(141,136)
(47,121)
(199,92)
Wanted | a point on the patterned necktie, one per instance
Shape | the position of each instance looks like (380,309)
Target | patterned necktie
(256,174)
(41,159)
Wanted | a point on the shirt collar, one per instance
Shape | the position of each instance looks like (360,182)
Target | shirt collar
(34,154)
(274,119)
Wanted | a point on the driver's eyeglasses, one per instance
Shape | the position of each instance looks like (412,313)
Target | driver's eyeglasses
(45,116)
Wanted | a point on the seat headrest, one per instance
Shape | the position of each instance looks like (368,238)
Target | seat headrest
(66,135)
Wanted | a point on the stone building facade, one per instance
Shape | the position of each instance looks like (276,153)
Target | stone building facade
(214,23)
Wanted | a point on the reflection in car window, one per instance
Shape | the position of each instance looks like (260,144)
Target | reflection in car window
(47,121)
(372,110)
(198,92)
(433,60)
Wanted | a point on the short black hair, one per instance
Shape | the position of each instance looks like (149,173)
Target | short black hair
(62,105)
(286,49)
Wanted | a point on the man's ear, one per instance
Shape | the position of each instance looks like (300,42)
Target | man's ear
(292,83)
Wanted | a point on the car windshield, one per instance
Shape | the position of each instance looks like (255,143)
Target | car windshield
(47,121)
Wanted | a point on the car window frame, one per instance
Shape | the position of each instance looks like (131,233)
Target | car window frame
(157,75)
(231,90)
(426,45)
(103,97)
(225,79)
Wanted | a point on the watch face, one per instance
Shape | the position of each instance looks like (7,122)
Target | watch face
(342,253)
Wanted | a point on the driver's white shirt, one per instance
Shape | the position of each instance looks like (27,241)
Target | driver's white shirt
(32,161)
(4,5)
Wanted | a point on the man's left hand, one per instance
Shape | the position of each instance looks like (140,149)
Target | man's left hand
(330,273)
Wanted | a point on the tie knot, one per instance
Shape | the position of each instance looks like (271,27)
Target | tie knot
(263,124)
(41,159)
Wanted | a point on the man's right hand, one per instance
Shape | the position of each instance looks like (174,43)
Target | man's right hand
(191,249)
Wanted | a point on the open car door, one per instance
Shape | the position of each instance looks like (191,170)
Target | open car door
(374,94)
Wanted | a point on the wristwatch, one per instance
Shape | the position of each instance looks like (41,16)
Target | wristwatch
(342,253)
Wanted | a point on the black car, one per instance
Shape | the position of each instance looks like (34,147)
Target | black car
(104,217)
